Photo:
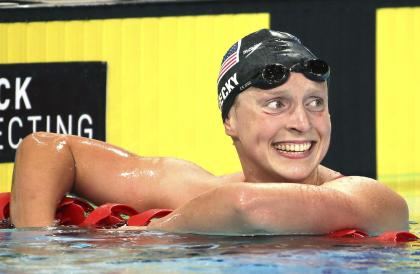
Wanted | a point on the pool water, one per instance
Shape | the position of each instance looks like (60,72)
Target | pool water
(75,250)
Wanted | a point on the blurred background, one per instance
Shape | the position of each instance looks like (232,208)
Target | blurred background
(142,75)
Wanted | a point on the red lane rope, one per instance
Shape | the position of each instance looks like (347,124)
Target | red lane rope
(109,215)
(4,205)
(76,211)
(389,236)
(145,217)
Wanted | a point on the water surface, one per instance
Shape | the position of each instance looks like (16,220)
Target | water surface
(75,250)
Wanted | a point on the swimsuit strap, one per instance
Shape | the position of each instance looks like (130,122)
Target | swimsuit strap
(339,176)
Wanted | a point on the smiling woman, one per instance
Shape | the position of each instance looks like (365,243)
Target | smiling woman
(277,114)
(280,125)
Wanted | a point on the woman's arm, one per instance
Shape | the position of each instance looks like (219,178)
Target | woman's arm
(283,208)
(49,165)
(44,171)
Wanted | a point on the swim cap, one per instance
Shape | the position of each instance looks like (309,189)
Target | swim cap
(252,54)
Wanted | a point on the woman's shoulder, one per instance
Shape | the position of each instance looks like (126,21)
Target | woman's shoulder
(238,177)
(327,174)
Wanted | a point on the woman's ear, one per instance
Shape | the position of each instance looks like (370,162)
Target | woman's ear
(230,124)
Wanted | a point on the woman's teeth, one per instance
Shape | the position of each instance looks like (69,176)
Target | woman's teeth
(290,147)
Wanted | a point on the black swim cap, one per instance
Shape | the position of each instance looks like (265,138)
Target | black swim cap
(250,55)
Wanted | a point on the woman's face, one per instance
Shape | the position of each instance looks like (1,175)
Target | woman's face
(281,134)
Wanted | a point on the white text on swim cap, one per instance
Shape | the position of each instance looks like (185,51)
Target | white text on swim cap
(227,88)
(250,50)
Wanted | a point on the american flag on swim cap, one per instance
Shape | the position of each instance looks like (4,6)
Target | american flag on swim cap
(229,60)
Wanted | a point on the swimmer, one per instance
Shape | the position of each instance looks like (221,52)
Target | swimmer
(273,96)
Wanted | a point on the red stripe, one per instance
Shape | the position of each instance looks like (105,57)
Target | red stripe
(226,68)
(233,61)
(228,59)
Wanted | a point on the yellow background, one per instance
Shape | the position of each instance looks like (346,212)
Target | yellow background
(161,86)
(161,97)
(398,101)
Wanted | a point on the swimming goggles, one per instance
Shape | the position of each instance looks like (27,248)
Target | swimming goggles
(274,75)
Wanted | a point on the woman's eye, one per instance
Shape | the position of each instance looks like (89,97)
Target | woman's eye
(276,104)
(316,104)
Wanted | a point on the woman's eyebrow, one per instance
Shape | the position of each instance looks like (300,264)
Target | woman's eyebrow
(276,92)
(312,91)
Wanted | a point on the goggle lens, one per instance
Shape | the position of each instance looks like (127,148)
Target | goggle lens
(317,68)
(275,75)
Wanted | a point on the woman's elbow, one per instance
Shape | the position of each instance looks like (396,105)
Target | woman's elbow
(397,215)
(38,138)
(39,148)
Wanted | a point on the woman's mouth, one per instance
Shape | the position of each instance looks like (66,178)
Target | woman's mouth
(294,150)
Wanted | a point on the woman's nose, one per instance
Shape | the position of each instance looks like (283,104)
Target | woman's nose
(299,120)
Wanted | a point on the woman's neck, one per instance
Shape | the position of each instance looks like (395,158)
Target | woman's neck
(252,175)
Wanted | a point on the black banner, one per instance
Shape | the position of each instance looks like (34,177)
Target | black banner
(68,98)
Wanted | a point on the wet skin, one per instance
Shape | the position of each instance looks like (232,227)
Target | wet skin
(281,136)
